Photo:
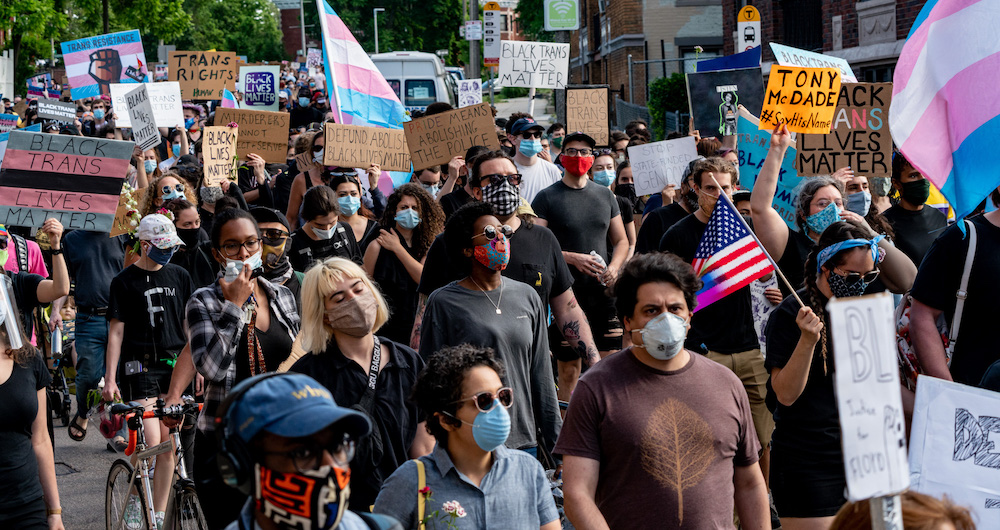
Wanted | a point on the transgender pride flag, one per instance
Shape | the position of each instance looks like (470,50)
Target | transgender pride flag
(115,58)
(945,111)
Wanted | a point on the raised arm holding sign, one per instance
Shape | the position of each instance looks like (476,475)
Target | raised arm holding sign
(804,99)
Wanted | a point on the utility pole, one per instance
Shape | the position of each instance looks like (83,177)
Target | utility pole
(302,25)
(375,12)
(106,15)
(474,45)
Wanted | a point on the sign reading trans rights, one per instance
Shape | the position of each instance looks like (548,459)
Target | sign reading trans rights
(533,64)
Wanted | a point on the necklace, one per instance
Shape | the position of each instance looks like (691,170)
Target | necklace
(499,298)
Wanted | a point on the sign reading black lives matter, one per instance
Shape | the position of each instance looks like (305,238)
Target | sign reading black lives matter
(51,109)
(533,64)
(356,146)
(714,98)
(140,112)
(860,136)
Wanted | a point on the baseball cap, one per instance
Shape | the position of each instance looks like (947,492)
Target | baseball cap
(263,214)
(741,195)
(524,124)
(580,137)
(158,230)
(291,405)
(283,94)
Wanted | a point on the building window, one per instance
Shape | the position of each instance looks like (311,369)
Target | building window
(690,60)
(504,22)
(877,74)
(803,24)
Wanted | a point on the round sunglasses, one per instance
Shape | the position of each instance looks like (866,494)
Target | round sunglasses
(491,232)
(485,401)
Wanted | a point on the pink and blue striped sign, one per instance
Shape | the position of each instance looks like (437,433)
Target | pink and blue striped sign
(94,63)
(945,116)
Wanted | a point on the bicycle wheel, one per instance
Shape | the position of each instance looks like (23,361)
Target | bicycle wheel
(187,512)
(124,504)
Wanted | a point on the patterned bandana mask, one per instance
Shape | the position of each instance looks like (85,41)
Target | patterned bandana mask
(819,221)
(312,500)
(841,289)
(495,254)
(503,197)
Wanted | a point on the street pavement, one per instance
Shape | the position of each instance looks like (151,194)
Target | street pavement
(541,114)
(82,474)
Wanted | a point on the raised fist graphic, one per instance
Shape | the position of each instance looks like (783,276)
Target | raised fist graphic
(106,68)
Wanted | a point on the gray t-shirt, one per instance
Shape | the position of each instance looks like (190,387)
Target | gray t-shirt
(456,315)
(536,177)
(579,217)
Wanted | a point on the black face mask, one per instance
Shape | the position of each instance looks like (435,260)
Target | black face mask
(189,236)
(691,199)
(627,191)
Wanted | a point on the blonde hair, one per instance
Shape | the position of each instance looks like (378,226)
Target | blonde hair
(320,281)
(152,191)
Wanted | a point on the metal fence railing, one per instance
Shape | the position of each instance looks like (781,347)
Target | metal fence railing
(626,112)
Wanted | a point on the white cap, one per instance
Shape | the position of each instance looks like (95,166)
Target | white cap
(159,230)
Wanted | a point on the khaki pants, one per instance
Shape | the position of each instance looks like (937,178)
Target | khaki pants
(749,367)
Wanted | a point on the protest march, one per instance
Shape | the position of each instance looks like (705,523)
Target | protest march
(512,266)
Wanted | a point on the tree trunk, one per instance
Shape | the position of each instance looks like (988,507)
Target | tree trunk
(106,21)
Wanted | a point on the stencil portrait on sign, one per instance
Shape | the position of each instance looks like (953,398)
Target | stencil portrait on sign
(714,97)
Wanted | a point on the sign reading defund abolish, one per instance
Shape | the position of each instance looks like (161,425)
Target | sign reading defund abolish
(73,179)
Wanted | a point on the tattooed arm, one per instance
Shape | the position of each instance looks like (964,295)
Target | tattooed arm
(574,326)
(417,322)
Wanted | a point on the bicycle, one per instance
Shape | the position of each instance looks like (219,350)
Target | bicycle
(128,500)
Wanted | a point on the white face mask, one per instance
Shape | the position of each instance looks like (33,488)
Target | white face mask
(324,234)
(663,337)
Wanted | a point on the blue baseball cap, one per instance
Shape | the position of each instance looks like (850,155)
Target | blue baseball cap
(291,405)
(524,124)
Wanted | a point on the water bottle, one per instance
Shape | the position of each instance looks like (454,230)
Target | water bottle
(233,269)
(56,343)
(600,260)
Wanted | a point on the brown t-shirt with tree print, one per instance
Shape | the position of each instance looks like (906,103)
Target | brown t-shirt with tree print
(667,441)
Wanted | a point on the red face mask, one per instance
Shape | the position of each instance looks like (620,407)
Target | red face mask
(577,165)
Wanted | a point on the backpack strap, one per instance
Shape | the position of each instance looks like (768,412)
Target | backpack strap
(377,521)
(962,293)
(421,499)
(21,249)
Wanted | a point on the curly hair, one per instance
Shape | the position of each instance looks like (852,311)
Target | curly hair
(458,232)
(806,194)
(153,191)
(431,217)
(649,268)
(439,384)
(920,512)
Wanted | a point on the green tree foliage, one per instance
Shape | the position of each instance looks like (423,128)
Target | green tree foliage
(666,94)
(531,20)
(246,27)
(32,24)
(156,20)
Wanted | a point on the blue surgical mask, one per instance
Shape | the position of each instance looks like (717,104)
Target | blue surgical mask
(303,102)
(149,165)
(604,177)
(174,193)
(188,123)
(490,429)
(530,148)
(408,218)
(431,188)
(349,205)
(255,262)
(819,221)
(160,256)
(318,157)
(859,203)
(98,114)
(176,149)
(324,234)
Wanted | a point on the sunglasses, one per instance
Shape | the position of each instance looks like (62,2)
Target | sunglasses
(852,278)
(317,148)
(527,135)
(178,187)
(491,232)
(497,178)
(273,236)
(485,401)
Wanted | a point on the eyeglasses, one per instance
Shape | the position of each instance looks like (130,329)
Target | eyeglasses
(823,203)
(851,278)
(497,178)
(603,152)
(527,135)
(491,232)
(178,187)
(310,457)
(273,236)
(230,250)
(578,152)
(485,401)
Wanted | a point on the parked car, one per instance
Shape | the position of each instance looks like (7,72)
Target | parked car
(418,78)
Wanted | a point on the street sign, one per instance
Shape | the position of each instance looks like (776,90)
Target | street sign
(473,30)
(748,29)
(562,15)
(491,34)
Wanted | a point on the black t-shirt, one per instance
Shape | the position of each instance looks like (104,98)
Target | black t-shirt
(19,482)
(656,224)
(811,423)
(454,200)
(400,292)
(275,345)
(151,305)
(938,280)
(303,116)
(305,250)
(726,326)
(395,415)
(93,259)
(535,259)
(25,287)
(793,260)
(198,261)
(916,231)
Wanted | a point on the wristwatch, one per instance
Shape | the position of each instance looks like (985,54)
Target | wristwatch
(57,251)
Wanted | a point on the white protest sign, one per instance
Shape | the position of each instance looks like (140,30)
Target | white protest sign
(955,446)
(867,382)
(259,85)
(533,64)
(164,97)
(314,58)
(470,92)
(660,163)
(140,113)
(788,56)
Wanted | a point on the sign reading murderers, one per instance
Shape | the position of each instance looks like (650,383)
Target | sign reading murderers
(660,163)
(261,132)
(203,75)
(533,64)
(860,137)
(752,146)
(356,146)
(714,98)
(53,109)
(259,85)
(94,63)
(74,179)
(587,111)
(867,381)
(220,154)
(140,112)
(434,140)
(165,98)
(802,98)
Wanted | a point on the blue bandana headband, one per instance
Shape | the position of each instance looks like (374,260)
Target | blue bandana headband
(830,251)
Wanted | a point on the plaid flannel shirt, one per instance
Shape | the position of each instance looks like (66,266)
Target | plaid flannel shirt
(214,327)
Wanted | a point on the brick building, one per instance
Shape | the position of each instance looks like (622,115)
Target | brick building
(291,31)
(869,33)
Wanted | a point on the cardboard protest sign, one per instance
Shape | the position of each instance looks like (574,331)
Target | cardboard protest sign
(660,163)
(93,63)
(74,179)
(53,109)
(860,137)
(714,98)
(259,85)
(140,113)
(752,146)
(587,111)
(788,56)
(202,75)
(165,98)
(20,107)
(534,64)
(802,98)
(953,446)
(356,146)
(470,92)
(314,58)
(219,152)
(304,161)
(873,434)
(261,132)
(8,122)
(434,140)
(126,201)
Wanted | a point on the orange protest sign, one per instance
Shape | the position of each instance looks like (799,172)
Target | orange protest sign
(805,99)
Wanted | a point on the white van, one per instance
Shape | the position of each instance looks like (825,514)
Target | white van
(418,78)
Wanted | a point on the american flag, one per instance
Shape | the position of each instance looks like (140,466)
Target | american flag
(728,257)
